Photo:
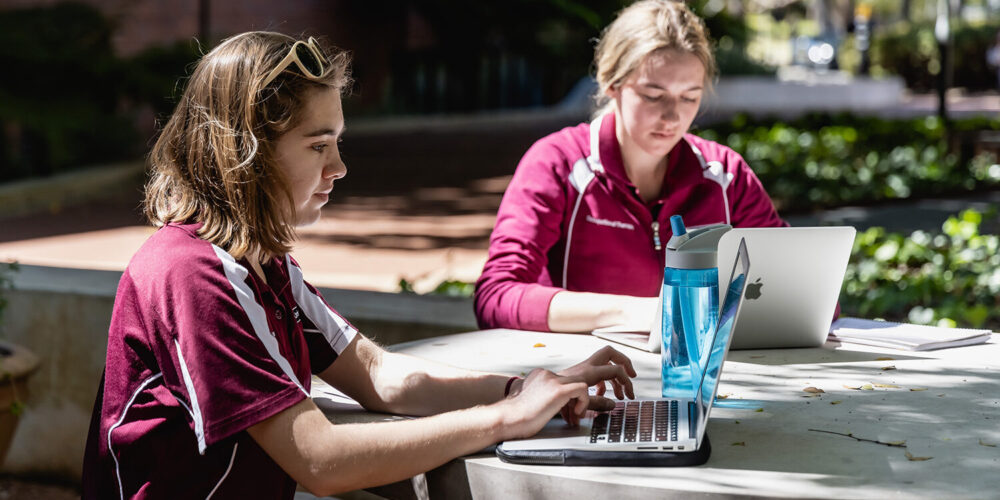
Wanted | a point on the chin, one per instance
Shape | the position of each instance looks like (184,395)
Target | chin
(307,220)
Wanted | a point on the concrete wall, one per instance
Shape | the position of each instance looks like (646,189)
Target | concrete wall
(52,194)
(62,315)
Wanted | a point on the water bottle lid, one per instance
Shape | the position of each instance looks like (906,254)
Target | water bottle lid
(697,249)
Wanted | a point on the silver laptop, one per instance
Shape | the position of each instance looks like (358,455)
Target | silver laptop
(651,432)
(632,336)
(793,289)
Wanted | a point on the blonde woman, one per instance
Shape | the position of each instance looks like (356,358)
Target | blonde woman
(580,234)
(215,334)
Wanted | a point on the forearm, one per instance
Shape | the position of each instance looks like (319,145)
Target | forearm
(327,459)
(415,386)
(583,312)
(397,383)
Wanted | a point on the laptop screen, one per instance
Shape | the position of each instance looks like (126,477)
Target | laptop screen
(723,333)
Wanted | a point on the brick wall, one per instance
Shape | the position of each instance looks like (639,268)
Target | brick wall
(370,31)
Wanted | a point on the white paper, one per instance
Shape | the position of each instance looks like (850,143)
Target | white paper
(904,336)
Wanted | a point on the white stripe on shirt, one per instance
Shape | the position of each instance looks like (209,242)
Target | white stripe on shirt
(195,409)
(338,332)
(111,451)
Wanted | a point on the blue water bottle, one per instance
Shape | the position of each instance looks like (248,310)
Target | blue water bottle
(690,304)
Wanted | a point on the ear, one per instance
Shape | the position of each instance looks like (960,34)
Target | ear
(614,92)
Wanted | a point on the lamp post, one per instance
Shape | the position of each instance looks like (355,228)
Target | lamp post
(862,35)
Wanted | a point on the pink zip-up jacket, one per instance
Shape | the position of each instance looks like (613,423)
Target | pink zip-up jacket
(571,220)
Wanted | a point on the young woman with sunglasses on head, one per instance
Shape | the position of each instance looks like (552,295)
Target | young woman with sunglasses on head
(580,235)
(215,335)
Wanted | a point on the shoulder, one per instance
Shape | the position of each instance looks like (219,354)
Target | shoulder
(559,150)
(176,256)
(713,151)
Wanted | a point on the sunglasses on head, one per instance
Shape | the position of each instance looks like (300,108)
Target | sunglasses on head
(306,55)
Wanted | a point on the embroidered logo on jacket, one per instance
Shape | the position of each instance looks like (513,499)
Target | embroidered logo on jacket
(610,223)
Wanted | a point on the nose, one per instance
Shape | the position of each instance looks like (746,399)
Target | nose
(669,111)
(335,169)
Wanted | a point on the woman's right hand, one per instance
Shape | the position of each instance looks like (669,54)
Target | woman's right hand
(540,396)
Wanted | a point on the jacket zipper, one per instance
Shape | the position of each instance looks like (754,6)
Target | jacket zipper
(656,236)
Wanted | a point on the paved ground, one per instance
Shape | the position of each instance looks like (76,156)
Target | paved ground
(39,489)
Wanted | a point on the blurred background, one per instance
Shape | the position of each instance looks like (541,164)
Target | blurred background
(87,82)
(881,114)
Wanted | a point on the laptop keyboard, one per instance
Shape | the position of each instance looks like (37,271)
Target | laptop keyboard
(636,422)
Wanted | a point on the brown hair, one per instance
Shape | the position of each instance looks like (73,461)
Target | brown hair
(214,161)
(641,29)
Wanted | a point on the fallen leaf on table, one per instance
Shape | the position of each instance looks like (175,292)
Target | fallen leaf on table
(867,387)
(737,422)
(887,386)
(912,458)
(885,358)
(721,396)
(740,443)
(917,389)
(758,410)
(853,387)
(984,443)
(814,390)
(886,368)
(539,345)
(835,402)
(896,443)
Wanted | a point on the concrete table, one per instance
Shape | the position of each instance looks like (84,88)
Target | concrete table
(934,417)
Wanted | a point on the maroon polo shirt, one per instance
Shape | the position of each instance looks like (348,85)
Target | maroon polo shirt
(199,350)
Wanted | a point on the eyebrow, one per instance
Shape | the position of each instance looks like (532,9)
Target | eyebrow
(654,86)
(324,131)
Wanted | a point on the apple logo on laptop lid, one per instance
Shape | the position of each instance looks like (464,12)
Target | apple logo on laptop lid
(753,290)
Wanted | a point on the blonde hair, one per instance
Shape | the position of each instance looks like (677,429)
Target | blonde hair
(642,29)
(214,160)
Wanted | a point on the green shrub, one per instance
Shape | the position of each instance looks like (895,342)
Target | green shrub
(910,51)
(949,278)
(823,161)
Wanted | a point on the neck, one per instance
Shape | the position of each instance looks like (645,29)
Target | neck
(256,258)
(644,170)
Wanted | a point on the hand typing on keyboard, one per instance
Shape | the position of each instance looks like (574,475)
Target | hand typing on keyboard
(567,392)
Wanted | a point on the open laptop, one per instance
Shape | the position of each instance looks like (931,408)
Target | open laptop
(649,432)
(793,289)
(791,298)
